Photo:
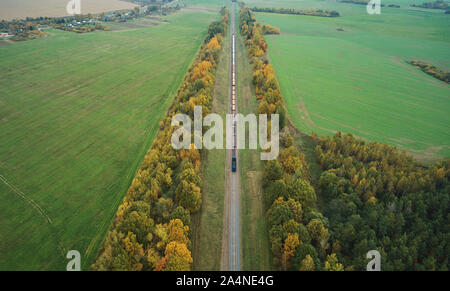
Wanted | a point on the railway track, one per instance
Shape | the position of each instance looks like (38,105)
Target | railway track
(234,224)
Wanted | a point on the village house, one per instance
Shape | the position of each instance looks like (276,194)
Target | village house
(5,35)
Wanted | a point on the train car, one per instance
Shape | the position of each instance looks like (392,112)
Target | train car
(233,161)
(233,107)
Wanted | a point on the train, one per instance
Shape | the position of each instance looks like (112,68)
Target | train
(233,106)
(233,164)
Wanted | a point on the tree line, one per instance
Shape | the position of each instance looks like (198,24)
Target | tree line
(433,5)
(315,12)
(432,71)
(151,230)
(298,232)
(264,80)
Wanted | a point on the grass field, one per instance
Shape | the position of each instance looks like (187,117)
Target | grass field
(357,80)
(77,114)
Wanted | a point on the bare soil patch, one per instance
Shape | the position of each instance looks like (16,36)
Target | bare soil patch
(11,9)
(5,42)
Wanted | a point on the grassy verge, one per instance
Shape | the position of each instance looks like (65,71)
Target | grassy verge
(255,241)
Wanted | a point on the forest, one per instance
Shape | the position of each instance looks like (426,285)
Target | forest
(151,230)
(379,198)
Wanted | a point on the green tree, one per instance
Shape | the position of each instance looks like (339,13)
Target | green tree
(189,196)
(332,264)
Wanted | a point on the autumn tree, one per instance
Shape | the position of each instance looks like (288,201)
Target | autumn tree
(214,44)
(290,244)
(178,232)
(332,264)
(177,258)
(307,264)
(188,195)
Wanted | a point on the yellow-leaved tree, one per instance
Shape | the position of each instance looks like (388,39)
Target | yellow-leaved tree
(177,258)
(307,264)
(214,44)
(290,244)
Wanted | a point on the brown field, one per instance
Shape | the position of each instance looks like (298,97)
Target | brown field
(4,42)
(10,9)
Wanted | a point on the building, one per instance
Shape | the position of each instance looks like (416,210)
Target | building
(5,35)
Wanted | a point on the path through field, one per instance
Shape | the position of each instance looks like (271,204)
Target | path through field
(26,198)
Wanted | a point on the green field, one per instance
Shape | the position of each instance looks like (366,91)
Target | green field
(357,80)
(77,114)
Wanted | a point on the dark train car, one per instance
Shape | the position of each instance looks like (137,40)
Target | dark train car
(233,164)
